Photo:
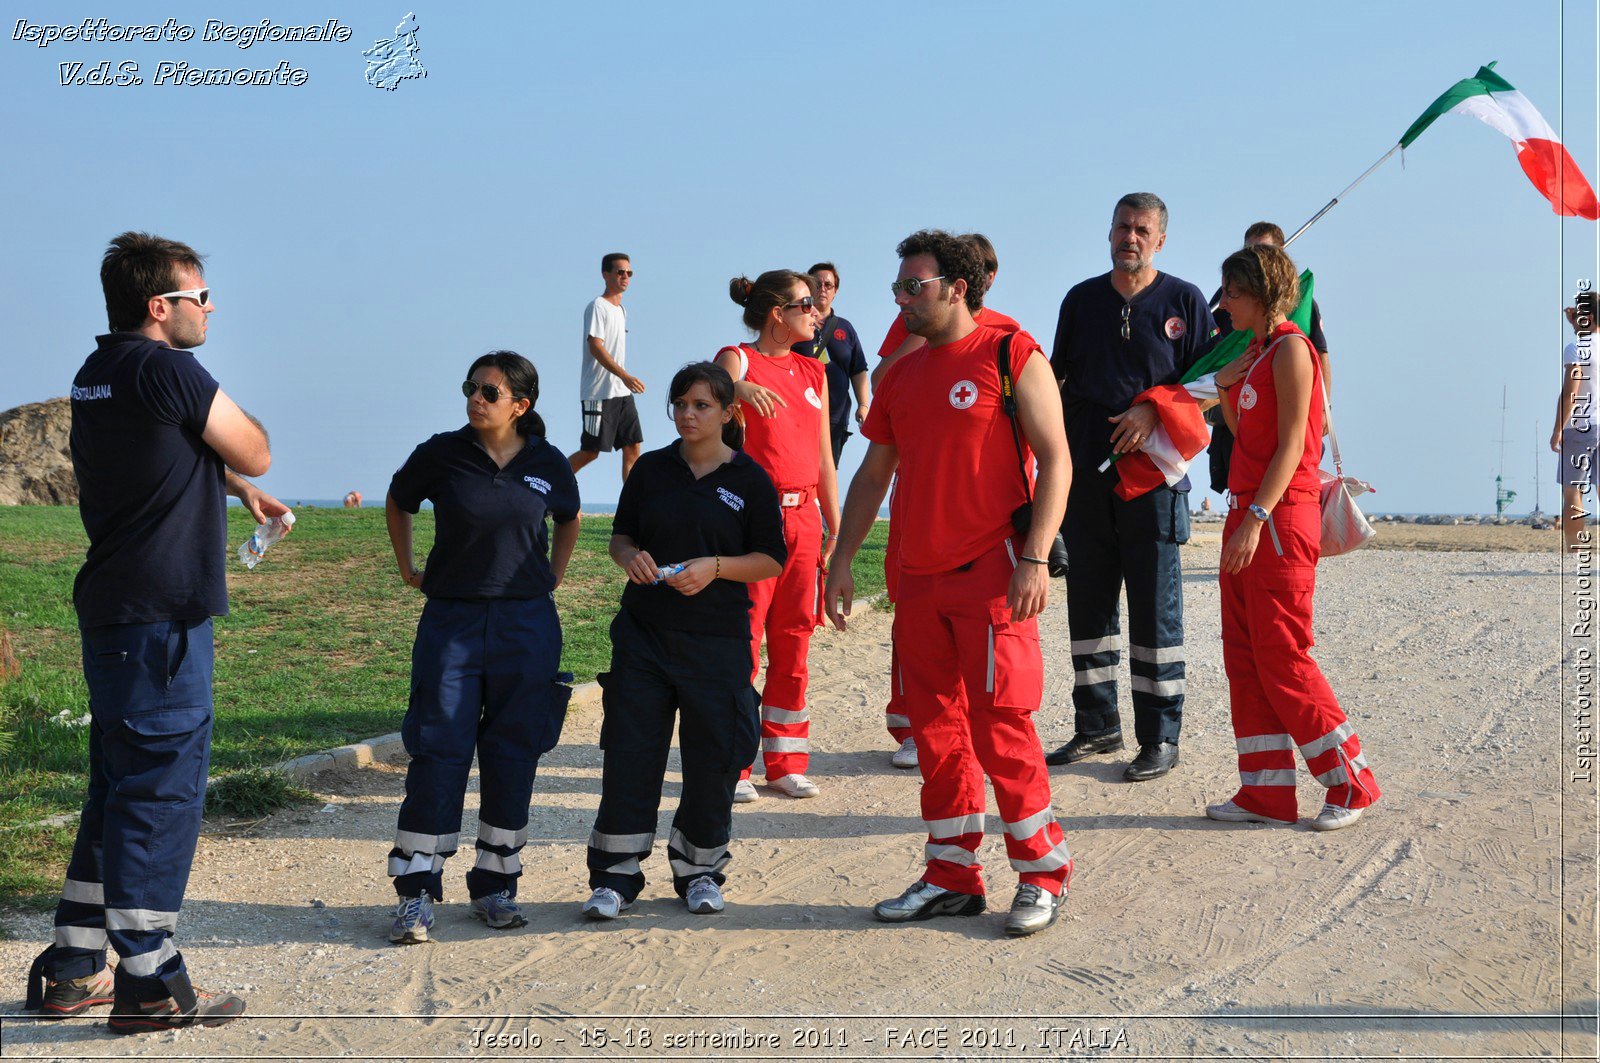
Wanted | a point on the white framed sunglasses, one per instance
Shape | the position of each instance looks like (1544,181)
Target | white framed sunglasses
(201,296)
(913,286)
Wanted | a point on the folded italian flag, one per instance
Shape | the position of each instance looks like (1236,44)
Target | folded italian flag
(1491,99)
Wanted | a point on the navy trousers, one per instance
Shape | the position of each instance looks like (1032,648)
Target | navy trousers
(149,753)
(1135,543)
(483,679)
(658,675)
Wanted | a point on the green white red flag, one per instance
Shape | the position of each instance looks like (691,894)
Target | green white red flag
(1491,99)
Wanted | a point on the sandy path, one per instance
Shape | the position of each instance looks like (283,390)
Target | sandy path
(1442,925)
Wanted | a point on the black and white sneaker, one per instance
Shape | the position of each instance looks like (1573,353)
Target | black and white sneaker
(924,900)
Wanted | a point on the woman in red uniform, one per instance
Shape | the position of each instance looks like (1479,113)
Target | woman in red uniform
(785,399)
(1272,399)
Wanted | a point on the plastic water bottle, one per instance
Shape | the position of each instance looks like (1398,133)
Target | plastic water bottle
(251,549)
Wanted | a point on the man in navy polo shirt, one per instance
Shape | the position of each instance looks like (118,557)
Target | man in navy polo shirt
(839,348)
(156,447)
(1118,335)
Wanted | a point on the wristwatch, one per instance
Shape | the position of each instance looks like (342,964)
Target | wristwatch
(1258,513)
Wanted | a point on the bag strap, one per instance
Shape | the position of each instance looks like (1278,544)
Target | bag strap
(1322,386)
(1008,403)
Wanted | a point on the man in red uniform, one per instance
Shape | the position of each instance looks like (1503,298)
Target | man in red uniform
(970,587)
(900,342)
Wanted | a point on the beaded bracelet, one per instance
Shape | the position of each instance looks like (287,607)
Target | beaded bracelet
(718,573)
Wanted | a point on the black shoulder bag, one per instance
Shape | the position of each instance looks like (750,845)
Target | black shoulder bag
(1022,516)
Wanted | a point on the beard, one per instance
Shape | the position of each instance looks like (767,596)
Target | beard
(1136,266)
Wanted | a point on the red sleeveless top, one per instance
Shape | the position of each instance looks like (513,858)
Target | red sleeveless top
(787,444)
(1256,441)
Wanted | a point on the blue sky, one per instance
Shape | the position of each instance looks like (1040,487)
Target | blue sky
(364,245)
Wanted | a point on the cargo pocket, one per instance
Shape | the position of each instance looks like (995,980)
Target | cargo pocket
(724,734)
(160,756)
(1172,517)
(1015,669)
(606,716)
(556,716)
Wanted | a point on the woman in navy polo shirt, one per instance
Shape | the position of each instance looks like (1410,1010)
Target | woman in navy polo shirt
(484,667)
(697,523)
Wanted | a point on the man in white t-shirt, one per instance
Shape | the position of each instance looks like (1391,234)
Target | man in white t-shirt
(1576,431)
(610,421)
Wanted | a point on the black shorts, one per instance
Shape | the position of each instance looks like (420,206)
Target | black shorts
(609,424)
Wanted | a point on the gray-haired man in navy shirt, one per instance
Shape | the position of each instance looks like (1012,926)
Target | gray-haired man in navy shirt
(1120,334)
(156,447)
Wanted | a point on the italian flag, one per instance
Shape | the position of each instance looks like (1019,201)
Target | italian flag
(1490,98)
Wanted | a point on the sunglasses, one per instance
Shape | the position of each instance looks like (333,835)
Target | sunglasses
(1125,309)
(805,302)
(912,285)
(202,296)
(491,392)
(623,272)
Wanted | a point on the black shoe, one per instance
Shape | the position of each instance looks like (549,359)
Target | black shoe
(1152,762)
(1083,746)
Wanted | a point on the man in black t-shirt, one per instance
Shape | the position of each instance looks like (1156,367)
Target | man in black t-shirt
(156,446)
(1221,448)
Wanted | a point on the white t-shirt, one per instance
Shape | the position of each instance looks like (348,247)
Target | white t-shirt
(609,323)
(1583,411)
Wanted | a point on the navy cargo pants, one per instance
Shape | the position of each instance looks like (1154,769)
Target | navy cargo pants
(656,676)
(484,679)
(149,752)
(1135,543)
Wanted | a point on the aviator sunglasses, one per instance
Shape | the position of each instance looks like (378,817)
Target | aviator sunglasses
(491,392)
(805,302)
(912,286)
(202,296)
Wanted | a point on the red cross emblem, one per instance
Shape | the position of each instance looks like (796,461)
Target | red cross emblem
(964,394)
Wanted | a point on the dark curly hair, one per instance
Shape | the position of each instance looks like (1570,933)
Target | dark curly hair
(957,260)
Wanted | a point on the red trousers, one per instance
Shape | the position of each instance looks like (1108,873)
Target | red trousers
(894,713)
(973,680)
(1279,697)
(785,608)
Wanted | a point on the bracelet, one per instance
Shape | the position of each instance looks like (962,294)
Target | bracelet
(718,573)
(1032,560)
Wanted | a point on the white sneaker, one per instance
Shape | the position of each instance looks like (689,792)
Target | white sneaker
(704,896)
(1228,812)
(605,903)
(796,786)
(1334,817)
(744,791)
(906,755)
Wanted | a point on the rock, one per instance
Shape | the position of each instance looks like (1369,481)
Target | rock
(35,462)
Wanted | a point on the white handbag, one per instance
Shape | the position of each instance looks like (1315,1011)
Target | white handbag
(1344,526)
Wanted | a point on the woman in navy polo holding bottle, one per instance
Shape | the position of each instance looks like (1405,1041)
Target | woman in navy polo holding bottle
(696,525)
(484,670)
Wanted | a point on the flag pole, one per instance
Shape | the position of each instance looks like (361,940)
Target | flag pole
(1334,201)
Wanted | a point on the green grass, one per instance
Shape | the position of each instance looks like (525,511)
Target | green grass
(315,653)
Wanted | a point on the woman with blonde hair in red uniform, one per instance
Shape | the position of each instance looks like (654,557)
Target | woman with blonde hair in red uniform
(785,401)
(1272,399)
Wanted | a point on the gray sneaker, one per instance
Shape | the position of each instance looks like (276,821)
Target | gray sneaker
(906,755)
(744,791)
(413,918)
(704,896)
(605,903)
(1033,909)
(924,900)
(498,911)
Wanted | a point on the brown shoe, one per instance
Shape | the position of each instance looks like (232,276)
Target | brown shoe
(76,995)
